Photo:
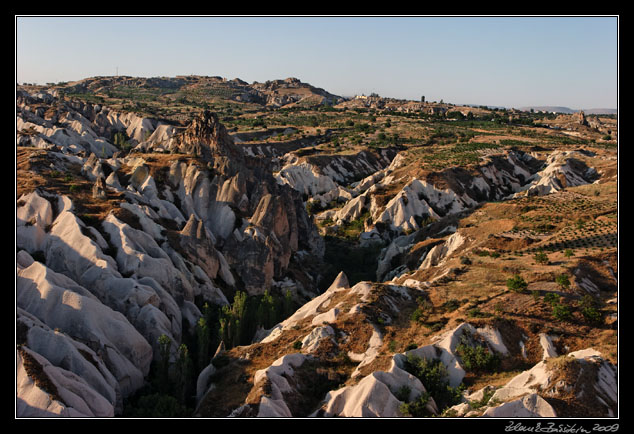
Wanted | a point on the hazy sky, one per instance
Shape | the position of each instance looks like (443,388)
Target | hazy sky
(499,61)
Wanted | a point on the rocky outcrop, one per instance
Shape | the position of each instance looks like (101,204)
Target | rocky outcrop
(45,390)
(75,126)
(374,396)
(59,303)
(561,170)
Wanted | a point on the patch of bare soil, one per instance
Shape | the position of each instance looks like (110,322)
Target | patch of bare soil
(508,243)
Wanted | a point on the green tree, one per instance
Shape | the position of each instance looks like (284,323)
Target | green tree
(516,283)
(563,281)
(417,407)
(433,374)
(288,304)
(182,371)
(165,346)
(590,311)
(541,257)
(266,311)
(204,342)
(562,312)
(477,358)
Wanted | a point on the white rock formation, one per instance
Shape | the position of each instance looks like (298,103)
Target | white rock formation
(314,338)
(600,383)
(373,396)
(562,170)
(74,397)
(60,303)
(442,251)
(531,405)
(64,352)
(305,178)
(276,375)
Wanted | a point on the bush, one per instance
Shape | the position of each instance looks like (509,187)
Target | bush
(590,311)
(541,258)
(451,305)
(433,374)
(313,207)
(402,394)
(416,408)
(563,281)
(562,312)
(477,358)
(552,298)
(419,315)
(516,283)
(592,315)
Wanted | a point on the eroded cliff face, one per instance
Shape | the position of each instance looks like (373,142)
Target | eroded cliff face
(259,222)
(116,250)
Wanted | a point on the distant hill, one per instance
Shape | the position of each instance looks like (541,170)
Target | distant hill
(567,110)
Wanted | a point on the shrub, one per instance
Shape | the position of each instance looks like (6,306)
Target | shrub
(451,305)
(562,312)
(416,408)
(313,207)
(516,283)
(419,315)
(475,312)
(433,374)
(552,298)
(592,315)
(486,397)
(402,394)
(477,358)
(590,311)
(541,258)
(563,281)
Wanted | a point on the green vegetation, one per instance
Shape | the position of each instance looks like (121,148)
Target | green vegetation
(239,321)
(121,140)
(562,312)
(169,387)
(477,358)
(417,407)
(432,373)
(516,283)
(563,281)
(156,405)
(541,258)
(422,311)
(590,311)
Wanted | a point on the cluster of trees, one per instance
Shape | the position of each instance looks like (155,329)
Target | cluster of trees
(172,380)
(237,323)
(433,374)
(121,140)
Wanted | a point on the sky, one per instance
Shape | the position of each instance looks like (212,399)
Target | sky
(509,61)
